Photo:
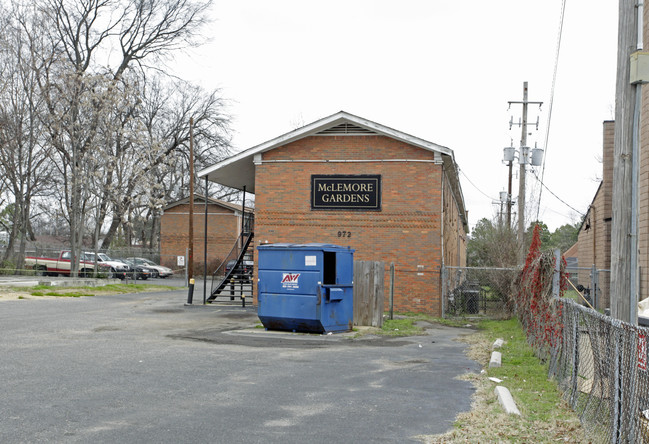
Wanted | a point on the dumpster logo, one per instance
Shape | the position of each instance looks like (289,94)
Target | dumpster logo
(290,280)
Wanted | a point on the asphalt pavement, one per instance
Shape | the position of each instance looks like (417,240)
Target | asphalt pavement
(144,368)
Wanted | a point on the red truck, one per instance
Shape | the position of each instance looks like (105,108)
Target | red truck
(44,266)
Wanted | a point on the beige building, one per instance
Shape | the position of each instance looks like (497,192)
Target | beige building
(594,242)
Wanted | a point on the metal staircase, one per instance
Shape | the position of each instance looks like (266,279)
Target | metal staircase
(233,279)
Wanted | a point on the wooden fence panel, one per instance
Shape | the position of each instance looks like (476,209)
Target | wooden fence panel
(369,292)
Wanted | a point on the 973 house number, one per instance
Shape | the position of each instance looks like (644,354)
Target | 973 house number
(344,234)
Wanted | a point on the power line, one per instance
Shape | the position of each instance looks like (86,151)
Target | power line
(554,81)
(557,197)
(474,186)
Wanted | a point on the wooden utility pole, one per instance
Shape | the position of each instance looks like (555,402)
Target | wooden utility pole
(190,245)
(623,239)
(521,182)
(523,161)
(509,197)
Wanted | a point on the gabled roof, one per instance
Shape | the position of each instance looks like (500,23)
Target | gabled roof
(584,219)
(572,251)
(238,171)
(200,199)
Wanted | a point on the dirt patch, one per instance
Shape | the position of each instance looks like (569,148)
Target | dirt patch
(13,295)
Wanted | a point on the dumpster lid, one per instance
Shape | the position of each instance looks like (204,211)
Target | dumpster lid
(307,246)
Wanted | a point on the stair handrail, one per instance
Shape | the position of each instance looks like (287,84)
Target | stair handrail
(239,255)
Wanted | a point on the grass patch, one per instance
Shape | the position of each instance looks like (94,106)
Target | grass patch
(525,376)
(133,288)
(81,291)
(457,322)
(545,417)
(400,327)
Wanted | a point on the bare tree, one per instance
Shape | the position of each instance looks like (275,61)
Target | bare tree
(23,155)
(147,176)
(79,90)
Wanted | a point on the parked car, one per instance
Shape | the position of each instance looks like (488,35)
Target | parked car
(138,271)
(53,266)
(243,272)
(111,267)
(158,270)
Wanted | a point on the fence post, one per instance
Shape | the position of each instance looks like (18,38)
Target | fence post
(615,420)
(574,377)
(444,290)
(391,290)
(594,284)
(556,277)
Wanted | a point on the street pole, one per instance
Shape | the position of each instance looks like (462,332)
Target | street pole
(190,250)
(523,160)
(627,108)
(521,182)
(509,197)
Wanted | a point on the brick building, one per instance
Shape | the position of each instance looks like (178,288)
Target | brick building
(223,228)
(594,241)
(349,181)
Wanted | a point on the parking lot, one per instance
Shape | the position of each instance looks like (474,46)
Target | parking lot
(147,368)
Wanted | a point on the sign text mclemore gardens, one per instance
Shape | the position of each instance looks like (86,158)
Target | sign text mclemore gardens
(346,192)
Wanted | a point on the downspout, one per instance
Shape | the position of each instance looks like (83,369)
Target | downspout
(635,142)
(594,217)
(205,247)
(442,215)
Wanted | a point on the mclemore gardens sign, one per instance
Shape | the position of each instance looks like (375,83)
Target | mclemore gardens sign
(346,192)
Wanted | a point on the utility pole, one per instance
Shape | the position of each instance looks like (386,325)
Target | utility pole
(523,160)
(509,196)
(190,249)
(624,279)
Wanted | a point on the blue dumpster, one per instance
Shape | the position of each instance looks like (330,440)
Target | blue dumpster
(306,287)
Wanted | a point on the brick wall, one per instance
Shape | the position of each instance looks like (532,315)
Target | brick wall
(594,242)
(407,230)
(455,237)
(223,228)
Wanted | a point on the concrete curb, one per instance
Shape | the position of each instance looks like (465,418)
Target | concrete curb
(55,282)
(504,396)
(506,400)
(496,359)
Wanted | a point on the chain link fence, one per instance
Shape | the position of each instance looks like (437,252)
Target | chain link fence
(589,285)
(10,267)
(477,291)
(600,365)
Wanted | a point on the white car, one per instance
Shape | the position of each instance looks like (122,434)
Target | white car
(112,268)
(159,270)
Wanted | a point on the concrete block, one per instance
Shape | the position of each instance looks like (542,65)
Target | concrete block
(506,400)
(498,343)
(496,359)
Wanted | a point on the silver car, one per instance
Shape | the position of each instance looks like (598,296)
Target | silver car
(158,270)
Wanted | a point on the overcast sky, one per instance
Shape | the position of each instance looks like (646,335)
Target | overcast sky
(443,71)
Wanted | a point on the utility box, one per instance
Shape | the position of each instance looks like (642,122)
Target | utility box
(639,68)
(306,287)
